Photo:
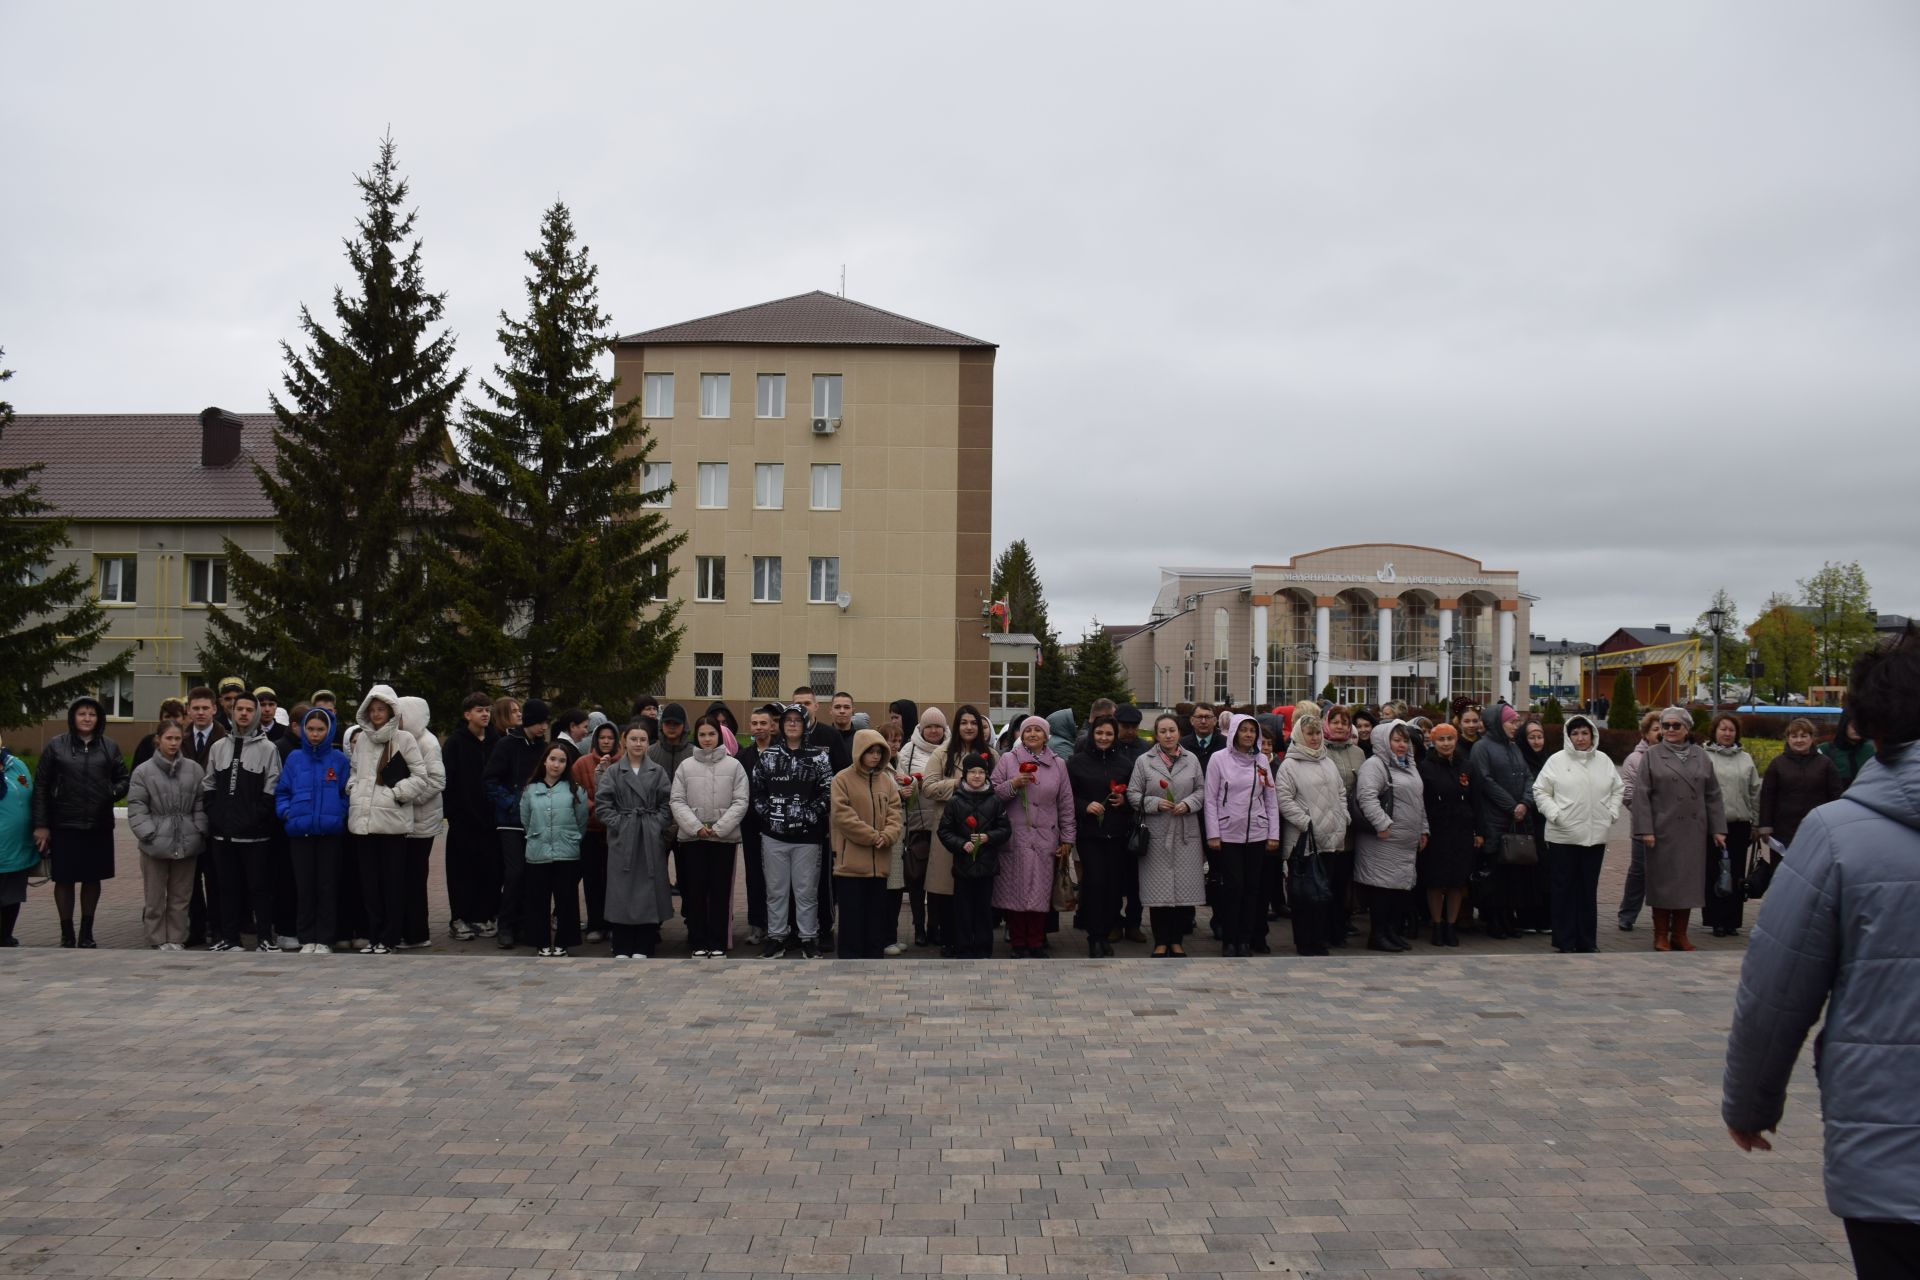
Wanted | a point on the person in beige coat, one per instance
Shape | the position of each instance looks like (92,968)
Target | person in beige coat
(864,821)
(168,819)
(709,802)
(971,734)
(388,774)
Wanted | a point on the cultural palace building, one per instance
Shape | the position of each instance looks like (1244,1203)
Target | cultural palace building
(1375,621)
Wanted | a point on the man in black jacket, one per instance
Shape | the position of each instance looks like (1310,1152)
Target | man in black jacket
(509,766)
(1132,746)
(243,769)
(473,847)
(761,723)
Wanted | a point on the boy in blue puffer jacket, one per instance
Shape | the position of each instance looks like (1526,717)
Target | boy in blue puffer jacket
(311,799)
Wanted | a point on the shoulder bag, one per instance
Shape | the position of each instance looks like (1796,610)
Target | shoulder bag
(1308,883)
(1517,849)
(1760,868)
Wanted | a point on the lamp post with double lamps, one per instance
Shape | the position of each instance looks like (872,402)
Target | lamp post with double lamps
(1717,624)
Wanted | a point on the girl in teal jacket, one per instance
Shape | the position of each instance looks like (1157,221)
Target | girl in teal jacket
(554,812)
(18,853)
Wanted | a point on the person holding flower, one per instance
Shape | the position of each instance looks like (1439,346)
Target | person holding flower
(1032,776)
(912,764)
(973,829)
(971,736)
(1242,813)
(1166,790)
(1099,774)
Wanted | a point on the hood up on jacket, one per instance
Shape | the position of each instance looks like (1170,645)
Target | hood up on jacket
(326,743)
(1231,756)
(1060,724)
(1889,784)
(99,714)
(864,741)
(1382,742)
(379,693)
(413,715)
(1566,735)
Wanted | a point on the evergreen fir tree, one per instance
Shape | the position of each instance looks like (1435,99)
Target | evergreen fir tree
(550,521)
(49,620)
(1623,709)
(1016,579)
(1097,673)
(362,431)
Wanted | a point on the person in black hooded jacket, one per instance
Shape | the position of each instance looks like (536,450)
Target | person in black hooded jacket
(974,827)
(80,775)
(1099,773)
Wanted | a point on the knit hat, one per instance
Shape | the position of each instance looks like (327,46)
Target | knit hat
(976,760)
(861,721)
(1508,713)
(673,713)
(1442,731)
(1127,713)
(533,711)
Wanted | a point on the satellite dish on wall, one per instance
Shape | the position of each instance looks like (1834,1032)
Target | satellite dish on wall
(844,599)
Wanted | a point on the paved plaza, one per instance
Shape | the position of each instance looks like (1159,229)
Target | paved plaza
(477,1118)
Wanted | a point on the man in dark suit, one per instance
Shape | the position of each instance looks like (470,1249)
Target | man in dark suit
(203,730)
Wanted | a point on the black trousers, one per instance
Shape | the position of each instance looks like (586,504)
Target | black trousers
(756,876)
(972,905)
(635,939)
(1385,908)
(1240,904)
(1884,1250)
(551,889)
(940,919)
(1269,878)
(827,895)
(1311,927)
(1131,912)
(316,876)
(866,921)
(383,886)
(593,878)
(513,866)
(1100,859)
(1573,878)
(245,884)
(473,872)
(1340,880)
(706,891)
(286,896)
(413,915)
(1728,913)
(1171,925)
(350,913)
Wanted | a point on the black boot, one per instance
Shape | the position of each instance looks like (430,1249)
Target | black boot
(86,933)
(66,933)
(1439,934)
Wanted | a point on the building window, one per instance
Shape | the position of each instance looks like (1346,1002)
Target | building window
(766,676)
(766,579)
(656,484)
(709,578)
(1009,684)
(823,674)
(1220,693)
(716,395)
(34,574)
(826,395)
(1187,691)
(769,485)
(823,580)
(1290,649)
(706,675)
(1222,633)
(116,695)
(1355,625)
(654,577)
(826,486)
(206,580)
(656,400)
(770,396)
(118,577)
(711,479)
(1473,652)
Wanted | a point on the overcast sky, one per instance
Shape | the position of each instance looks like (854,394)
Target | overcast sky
(1624,296)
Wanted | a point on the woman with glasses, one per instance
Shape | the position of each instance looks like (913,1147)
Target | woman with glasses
(1677,816)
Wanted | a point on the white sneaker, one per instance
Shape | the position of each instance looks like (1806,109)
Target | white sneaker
(289,944)
(893,949)
(486,928)
(171,946)
(461,931)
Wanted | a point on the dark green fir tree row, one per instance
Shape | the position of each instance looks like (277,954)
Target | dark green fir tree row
(1097,673)
(1016,580)
(49,618)
(550,535)
(362,431)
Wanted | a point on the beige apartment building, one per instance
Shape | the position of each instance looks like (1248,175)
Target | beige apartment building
(151,499)
(832,465)
(1377,621)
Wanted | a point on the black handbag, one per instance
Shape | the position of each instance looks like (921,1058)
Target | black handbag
(1760,869)
(1723,883)
(394,772)
(1140,840)
(1517,849)
(1307,882)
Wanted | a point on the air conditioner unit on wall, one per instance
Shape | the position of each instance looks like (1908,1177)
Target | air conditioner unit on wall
(825,426)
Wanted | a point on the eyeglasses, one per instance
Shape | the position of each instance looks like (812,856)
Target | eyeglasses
(1674,724)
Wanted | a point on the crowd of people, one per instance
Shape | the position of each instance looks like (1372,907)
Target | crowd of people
(566,830)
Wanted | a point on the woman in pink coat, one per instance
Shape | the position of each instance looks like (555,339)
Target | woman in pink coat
(1242,814)
(1032,781)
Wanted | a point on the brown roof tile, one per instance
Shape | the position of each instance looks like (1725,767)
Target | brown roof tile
(139,466)
(814,319)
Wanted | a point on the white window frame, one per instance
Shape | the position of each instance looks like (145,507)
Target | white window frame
(111,695)
(821,472)
(711,485)
(819,589)
(657,475)
(1186,674)
(126,585)
(216,574)
(766,579)
(710,572)
(769,486)
(1006,678)
(657,566)
(770,395)
(828,395)
(656,395)
(716,395)
(823,685)
(709,675)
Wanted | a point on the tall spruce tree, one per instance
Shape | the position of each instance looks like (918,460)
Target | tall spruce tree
(1840,606)
(1623,708)
(362,431)
(549,521)
(49,619)
(1016,579)
(1097,672)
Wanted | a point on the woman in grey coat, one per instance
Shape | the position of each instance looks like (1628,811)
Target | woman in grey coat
(1503,790)
(1166,791)
(1677,815)
(1393,829)
(632,801)
(168,818)
(1840,928)
(1310,793)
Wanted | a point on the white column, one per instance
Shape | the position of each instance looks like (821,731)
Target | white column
(1505,657)
(1259,654)
(1384,680)
(1322,647)
(1446,659)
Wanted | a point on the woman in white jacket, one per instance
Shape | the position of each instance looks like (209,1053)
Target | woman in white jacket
(709,802)
(428,815)
(388,774)
(1579,793)
(1311,795)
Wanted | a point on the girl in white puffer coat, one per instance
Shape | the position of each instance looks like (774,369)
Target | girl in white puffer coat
(428,820)
(388,775)
(1579,793)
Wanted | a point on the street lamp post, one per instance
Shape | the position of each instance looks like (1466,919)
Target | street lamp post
(1717,624)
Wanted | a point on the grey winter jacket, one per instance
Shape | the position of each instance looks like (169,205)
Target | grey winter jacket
(709,789)
(165,808)
(1840,927)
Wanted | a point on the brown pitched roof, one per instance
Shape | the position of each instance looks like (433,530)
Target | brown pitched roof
(139,466)
(806,320)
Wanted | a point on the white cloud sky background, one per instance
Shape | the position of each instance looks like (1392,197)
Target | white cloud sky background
(1624,296)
